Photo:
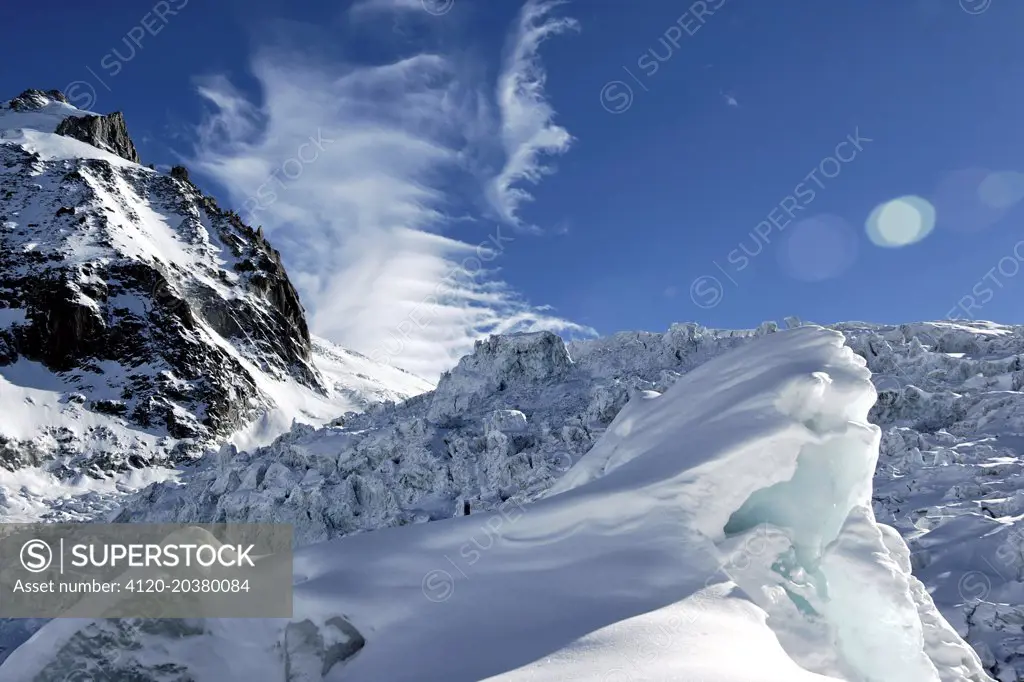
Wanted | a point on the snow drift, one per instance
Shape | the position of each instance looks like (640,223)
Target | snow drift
(721,532)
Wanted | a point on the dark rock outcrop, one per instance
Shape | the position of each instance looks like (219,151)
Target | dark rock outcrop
(104,132)
(35,99)
(111,650)
(180,173)
(308,655)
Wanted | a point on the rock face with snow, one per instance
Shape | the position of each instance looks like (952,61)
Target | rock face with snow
(105,263)
(150,319)
(33,99)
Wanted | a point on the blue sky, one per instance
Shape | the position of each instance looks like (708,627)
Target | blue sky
(653,138)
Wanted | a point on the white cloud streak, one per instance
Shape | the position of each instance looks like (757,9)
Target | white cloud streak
(349,169)
(528,131)
(386,5)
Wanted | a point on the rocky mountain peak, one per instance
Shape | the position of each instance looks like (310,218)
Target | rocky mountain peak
(107,132)
(181,173)
(36,99)
(130,298)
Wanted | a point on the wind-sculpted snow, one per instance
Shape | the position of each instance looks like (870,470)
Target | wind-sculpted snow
(719,530)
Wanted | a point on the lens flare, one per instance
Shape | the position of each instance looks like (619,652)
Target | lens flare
(901,222)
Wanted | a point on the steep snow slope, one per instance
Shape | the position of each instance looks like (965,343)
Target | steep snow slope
(719,532)
(140,323)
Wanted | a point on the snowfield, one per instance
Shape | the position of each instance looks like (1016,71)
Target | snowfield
(720,531)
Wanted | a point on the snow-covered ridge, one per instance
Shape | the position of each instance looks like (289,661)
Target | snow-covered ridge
(731,511)
(37,110)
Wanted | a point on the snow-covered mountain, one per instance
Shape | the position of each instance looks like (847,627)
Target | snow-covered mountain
(140,323)
(503,428)
(615,534)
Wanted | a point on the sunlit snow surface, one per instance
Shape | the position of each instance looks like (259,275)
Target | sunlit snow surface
(720,532)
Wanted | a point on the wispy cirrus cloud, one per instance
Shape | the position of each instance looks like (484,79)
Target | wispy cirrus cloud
(358,171)
(386,5)
(528,131)
(434,7)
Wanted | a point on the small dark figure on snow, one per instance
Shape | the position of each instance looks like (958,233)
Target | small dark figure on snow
(465,508)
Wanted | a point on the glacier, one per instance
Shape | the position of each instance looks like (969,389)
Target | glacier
(720,529)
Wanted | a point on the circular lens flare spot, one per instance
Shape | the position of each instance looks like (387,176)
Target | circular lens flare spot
(819,248)
(901,222)
(1002,189)
(963,206)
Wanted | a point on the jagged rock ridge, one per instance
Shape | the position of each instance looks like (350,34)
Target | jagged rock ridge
(33,99)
